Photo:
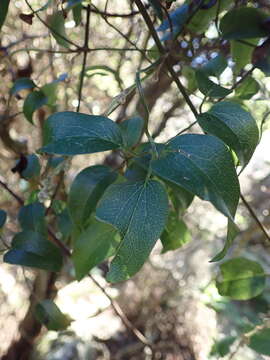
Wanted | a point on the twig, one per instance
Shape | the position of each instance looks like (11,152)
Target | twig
(85,53)
(161,49)
(119,312)
(12,193)
(253,214)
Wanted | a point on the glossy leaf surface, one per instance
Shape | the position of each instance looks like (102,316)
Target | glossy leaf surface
(139,211)
(70,133)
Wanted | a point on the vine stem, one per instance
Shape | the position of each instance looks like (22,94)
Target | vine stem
(85,53)
(255,217)
(66,251)
(161,49)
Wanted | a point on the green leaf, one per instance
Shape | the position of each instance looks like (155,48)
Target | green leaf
(86,190)
(57,25)
(77,14)
(103,70)
(31,249)
(248,88)
(32,217)
(198,163)
(232,232)
(176,233)
(33,167)
(3,11)
(241,279)
(94,245)
(70,133)
(180,198)
(243,23)
(139,211)
(223,346)
(50,90)
(3,218)
(209,88)
(235,126)
(190,75)
(132,131)
(22,84)
(260,342)
(49,314)
(33,101)
(215,66)
(242,53)
(65,224)
(202,18)
(157,8)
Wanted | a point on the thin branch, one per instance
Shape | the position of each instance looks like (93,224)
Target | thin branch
(109,14)
(12,193)
(255,217)
(161,49)
(119,312)
(85,53)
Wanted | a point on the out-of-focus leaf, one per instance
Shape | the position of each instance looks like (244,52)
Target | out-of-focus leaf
(33,167)
(242,53)
(223,346)
(209,88)
(261,57)
(260,342)
(50,90)
(70,133)
(175,234)
(241,279)
(93,245)
(21,84)
(33,101)
(3,218)
(57,24)
(49,314)
(32,249)
(132,130)
(157,7)
(86,190)
(244,23)
(247,89)
(3,11)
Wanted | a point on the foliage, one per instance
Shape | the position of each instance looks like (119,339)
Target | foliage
(120,213)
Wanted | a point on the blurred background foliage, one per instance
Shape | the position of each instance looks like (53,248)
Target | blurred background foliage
(173,300)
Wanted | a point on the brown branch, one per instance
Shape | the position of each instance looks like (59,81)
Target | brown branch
(12,193)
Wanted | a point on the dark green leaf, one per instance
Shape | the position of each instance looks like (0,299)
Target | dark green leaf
(260,342)
(248,88)
(232,232)
(57,25)
(180,197)
(93,246)
(32,217)
(86,190)
(209,88)
(77,14)
(235,126)
(215,66)
(70,133)
(261,57)
(242,53)
(33,167)
(31,249)
(243,23)
(241,279)
(49,314)
(65,224)
(198,163)
(190,75)
(3,218)
(223,347)
(132,131)
(33,101)
(202,18)
(3,11)
(157,8)
(139,211)
(176,233)
(22,84)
